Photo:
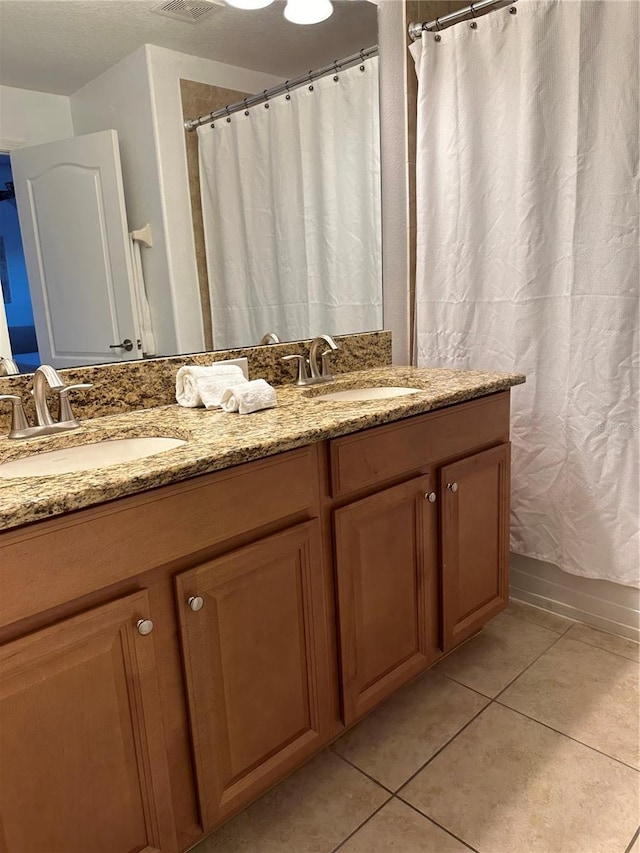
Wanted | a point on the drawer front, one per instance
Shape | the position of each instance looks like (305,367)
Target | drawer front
(98,547)
(382,453)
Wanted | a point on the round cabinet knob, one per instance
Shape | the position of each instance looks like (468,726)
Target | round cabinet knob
(195,602)
(453,487)
(431,497)
(144,626)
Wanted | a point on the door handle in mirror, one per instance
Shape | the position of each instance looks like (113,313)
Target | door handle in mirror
(125,345)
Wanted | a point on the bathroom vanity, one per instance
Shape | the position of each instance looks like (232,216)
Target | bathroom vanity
(174,648)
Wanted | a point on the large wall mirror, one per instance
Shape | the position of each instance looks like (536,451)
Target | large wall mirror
(285,235)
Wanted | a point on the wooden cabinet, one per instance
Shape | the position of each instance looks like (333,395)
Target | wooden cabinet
(255,644)
(386,562)
(346,564)
(103,731)
(474,532)
(82,747)
(423,564)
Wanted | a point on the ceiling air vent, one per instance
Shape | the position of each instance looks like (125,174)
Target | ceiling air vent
(191,11)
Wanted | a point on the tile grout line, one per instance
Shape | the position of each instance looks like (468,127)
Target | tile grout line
(444,746)
(364,823)
(490,700)
(600,649)
(439,825)
(533,622)
(507,686)
(396,794)
(461,684)
(364,773)
(636,835)
(575,622)
(569,737)
(496,699)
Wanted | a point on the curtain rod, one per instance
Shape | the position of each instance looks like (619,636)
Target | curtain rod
(252,100)
(416,30)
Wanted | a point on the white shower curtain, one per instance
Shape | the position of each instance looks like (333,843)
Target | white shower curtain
(528,257)
(291,209)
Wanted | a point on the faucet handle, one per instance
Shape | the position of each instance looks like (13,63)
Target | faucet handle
(66,416)
(303,377)
(18,418)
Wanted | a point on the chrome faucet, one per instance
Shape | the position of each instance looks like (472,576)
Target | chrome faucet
(269,338)
(45,376)
(8,367)
(319,372)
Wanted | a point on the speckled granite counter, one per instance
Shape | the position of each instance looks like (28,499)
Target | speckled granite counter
(217,440)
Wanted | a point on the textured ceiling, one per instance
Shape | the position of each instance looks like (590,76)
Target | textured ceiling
(59,45)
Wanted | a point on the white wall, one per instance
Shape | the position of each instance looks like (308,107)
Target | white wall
(166,68)
(29,118)
(394,156)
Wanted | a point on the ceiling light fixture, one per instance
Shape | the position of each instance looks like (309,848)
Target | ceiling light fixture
(249,4)
(308,11)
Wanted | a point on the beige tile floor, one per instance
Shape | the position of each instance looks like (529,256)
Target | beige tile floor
(524,740)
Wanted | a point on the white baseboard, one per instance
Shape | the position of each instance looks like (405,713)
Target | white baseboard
(602,604)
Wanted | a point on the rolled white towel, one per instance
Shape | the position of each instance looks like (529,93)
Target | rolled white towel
(250,397)
(192,380)
(213,388)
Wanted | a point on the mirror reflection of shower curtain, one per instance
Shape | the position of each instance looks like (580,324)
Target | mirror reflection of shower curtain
(291,210)
(528,257)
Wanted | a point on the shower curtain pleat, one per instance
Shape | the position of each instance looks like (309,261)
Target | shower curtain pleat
(291,210)
(528,257)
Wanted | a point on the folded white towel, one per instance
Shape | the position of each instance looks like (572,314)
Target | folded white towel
(194,384)
(250,397)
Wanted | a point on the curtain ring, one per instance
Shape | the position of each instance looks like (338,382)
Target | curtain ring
(246,108)
(286,86)
(228,115)
(362,58)
(472,10)
(311,80)
(266,99)
(335,69)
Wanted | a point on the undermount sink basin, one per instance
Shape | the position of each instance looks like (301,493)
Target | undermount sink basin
(87,457)
(382,392)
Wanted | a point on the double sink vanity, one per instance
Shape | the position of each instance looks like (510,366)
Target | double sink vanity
(182,630)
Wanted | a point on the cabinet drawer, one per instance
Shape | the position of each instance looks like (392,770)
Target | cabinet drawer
(98,547)
(382,453)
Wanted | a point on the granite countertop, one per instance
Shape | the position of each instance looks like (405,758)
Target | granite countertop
(217,440)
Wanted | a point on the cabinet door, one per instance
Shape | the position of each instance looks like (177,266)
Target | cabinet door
(257,666)
(82,757)
(386,553)
(475,542)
